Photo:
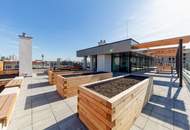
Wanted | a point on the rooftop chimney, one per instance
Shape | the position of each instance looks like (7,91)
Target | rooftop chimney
(25,55)
(101,42)
(23,35)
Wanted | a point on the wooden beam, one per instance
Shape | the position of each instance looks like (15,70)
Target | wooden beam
(164,42)
(169,52)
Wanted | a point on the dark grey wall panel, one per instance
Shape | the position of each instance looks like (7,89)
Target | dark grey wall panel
(115,47)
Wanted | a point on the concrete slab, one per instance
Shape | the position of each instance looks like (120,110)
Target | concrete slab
(10,90)
(141,122)
(40,107)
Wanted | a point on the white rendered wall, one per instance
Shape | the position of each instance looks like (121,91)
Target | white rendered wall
(25,57)
(85,62)
(91,66)
(104,63)
(100,62)
(107,66)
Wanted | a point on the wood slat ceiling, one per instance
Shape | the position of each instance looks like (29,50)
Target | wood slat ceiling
(164,42)
(167,52)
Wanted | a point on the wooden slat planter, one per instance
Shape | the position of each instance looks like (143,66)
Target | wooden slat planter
(67,85)
(52,74)
(14,83)
(9,72)
(164,68)
(119,112)
(3,82)
(7,103)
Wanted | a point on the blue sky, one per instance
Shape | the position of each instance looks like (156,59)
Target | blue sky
(60,27)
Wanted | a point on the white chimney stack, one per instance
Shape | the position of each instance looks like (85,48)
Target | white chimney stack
(25,55)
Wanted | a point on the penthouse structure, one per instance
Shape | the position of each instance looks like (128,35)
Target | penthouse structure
(130,56)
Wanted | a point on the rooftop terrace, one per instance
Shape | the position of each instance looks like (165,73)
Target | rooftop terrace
(40,107)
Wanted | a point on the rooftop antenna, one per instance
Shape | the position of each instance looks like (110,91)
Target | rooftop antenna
(42,55)
(127,29)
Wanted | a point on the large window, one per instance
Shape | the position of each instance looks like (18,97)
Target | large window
(116,63)
(140,62)
(120,62)
(130,62)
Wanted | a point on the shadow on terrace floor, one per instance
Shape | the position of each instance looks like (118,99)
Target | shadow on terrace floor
(146,73)
(168,109)
(167,115)
(166,83)
(153,73)
(38,85)
(70,123)
(42,74)
(42,99)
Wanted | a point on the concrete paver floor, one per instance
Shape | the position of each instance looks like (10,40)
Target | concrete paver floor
(168,108)
(40,107)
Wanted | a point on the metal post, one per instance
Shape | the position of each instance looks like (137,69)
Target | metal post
(130,66)
(180,62)
(177,62)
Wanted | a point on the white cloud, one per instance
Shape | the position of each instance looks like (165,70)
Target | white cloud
(156,19)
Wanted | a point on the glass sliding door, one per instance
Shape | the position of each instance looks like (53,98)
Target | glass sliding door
(120,62)
(124,62)
(115,63)
(130,62)
(94,63)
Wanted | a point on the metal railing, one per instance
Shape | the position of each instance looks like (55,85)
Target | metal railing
(186,77)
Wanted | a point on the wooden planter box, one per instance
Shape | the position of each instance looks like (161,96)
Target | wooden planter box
(164,68)
(67,85)
(3,82)
(52,74)
(9,72)
(119,112)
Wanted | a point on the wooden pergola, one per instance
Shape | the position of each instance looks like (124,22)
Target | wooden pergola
(162,48)
(164,52)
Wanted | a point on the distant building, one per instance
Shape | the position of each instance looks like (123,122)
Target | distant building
(39,64)
(9,58)
(52,64)
(13,57)
(9,65)
(9,68)
(58,64)
(4,58)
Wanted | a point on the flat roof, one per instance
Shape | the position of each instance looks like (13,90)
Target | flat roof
(132,45)
(108,48)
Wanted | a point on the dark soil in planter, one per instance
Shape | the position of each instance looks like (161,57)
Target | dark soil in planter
(1,88)
(63,70)
(116,86)
(82,74)
(7,76)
